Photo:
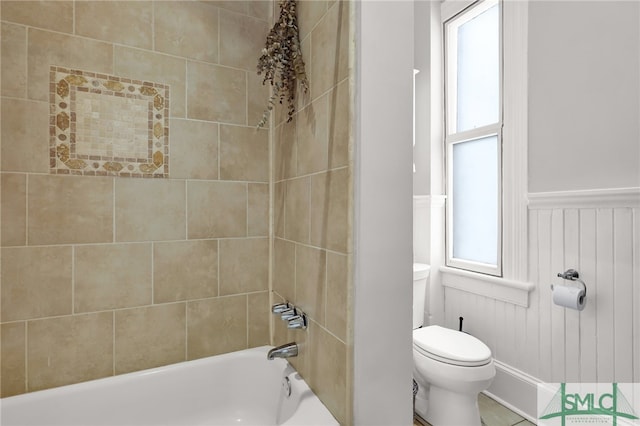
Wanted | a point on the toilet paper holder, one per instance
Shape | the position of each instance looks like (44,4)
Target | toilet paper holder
(572,275)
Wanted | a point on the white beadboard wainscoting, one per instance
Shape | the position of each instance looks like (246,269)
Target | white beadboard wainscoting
(598,234)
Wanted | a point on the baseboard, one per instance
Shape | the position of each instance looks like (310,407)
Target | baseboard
(516,390)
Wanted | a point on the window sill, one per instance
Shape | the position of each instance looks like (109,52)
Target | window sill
(510,291)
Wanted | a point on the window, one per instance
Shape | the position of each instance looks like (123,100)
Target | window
(473,138)
(504,276)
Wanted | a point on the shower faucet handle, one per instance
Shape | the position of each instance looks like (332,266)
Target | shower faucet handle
(287,314)
(298,322)
(279,308)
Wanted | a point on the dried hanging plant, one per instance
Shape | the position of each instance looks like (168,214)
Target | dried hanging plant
(281,61)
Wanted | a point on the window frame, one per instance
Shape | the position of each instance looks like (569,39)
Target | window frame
(514,286)
(452,137)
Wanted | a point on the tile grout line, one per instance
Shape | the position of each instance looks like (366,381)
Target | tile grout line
(186,90)
(153,26)
(246,301)
(218,266)
(73,18)
(26,356)
(186,330)
(113,342)
(113,189)
(309,186)
(295,273)
(73,280)
(246,97)
(26,216)
(26,63)
(153,298)
(186,209)
(218,36)
(326,285)
(326,330)
(270,225)
(247,209)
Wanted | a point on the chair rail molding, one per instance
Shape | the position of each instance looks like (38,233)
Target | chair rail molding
(589,198)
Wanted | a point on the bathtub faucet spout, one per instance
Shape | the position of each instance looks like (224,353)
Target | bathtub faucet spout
(287,350)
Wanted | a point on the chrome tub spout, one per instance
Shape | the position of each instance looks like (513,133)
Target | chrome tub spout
(287,350)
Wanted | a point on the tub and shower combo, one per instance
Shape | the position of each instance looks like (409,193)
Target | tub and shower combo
(239,388)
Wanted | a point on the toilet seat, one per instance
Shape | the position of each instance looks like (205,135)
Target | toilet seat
(451,346)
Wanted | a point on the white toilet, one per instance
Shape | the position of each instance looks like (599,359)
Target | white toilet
(450,367)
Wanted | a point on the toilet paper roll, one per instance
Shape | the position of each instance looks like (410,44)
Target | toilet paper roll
(569,297)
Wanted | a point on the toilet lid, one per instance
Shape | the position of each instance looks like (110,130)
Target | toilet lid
(451,346)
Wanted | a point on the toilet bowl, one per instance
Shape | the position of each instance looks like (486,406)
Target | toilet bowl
(455,367)
(451,368)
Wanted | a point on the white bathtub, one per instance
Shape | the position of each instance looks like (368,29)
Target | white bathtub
(240,388)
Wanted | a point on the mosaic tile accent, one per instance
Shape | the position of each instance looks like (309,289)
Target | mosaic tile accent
(103,125)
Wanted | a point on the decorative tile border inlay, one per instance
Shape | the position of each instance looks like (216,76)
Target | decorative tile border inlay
(102,125)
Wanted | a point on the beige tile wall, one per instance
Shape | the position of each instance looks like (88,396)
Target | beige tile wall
(312,172)
(103,275)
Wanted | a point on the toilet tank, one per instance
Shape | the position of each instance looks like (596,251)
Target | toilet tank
(420,279)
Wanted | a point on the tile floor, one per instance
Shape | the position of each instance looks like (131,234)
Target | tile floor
(493,414)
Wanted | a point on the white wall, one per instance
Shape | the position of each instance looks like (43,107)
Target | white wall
(584,103)
(382,363)
(422,140)
(548,343)
(583,119)
(584,141)
(422,63)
